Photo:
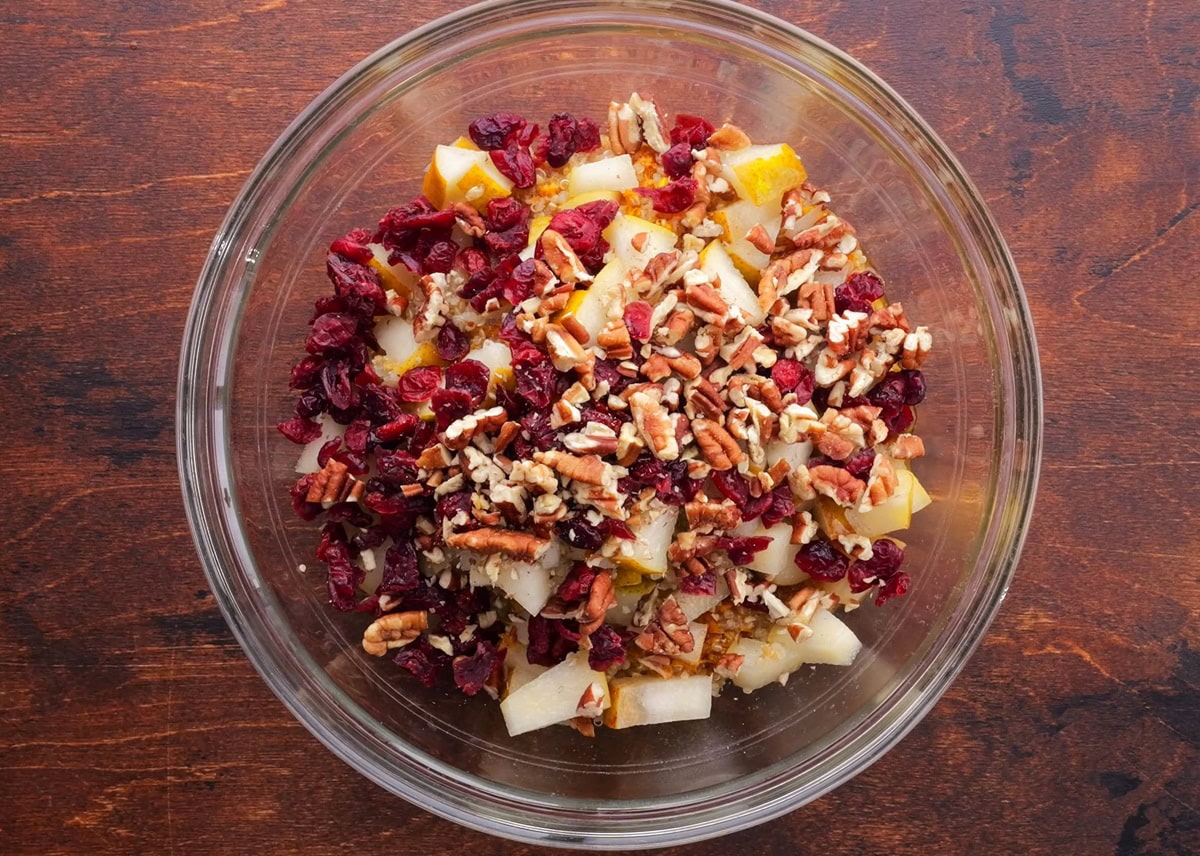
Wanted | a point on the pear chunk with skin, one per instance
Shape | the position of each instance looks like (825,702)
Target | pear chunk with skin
(778,559)
(732,286)
(832,643)
(651,700)
(612,174)
(893,513)
(590,306)
(651,541)
(624,235)
(552,696)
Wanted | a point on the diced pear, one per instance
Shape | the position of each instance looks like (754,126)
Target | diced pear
(536,226)
(307,463)
(893,513)
(762,174)
(622,232)
(518,671)
(695,605)
(496,356)
(397,278)
(401,351)
(778,559)
(832,642)
(733,287)
(651,540)
(848,600)
(699,631)
(590,305)
(551,697)
(615,173)
(458,173)
(832,519)
(528,583)
(651,700)
(592,196)
(762,663)
(796,454)
(737,220)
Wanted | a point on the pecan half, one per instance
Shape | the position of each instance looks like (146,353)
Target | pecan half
(469,220)
(837,484)
(906,447)
(712,515)
(561,258)
(729,138)
(716,444)
(588,469)
(520,545)
(917,345)
(654,423)
(394,630)
(707,302)
(600,598)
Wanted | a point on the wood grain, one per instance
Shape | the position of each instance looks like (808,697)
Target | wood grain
(126,130)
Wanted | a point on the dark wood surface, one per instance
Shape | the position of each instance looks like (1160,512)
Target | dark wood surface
(131,722)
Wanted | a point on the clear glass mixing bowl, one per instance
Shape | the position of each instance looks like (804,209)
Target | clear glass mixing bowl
(361,148)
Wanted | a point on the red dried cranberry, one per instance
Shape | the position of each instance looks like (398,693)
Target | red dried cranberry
(448,405)
(858,292)
(732,486)
(472,377)
(419,384)
(580,232)
(607,649)
(860,463)
(452,343)
(914,386)
(327,451)
(579,533)
(492,132)
(536,383)
(788,374)
(587,135)
(550,640)
(440,257)
(617,529)
(519,284)
(300,431)
(821,561)
(886,558)
(397,429)
(593,259)
(600,413)
(675,197)
(472,673)
(396,464)
(677,161)
(705,583)
(561,145)
(399,223)
(575,587)
(331,332)
(423,660)
(343,575)
(504,213)
(742,550)
(449,506)
(508,241)
(637,319)
(781,508)
(471,261)
(516,164)
(353,246)
(601,212)
(400,570)
(894,587)
(901,422)
(306,373)
(691,130)
(357,435)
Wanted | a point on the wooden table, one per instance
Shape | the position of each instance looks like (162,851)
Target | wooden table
(124,134)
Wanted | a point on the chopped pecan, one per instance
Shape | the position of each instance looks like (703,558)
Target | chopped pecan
(818,297)
(907,446)
(600,598)
(519,545)
(508,433)
(561,258)
(917,345)
(565,351)
(716,444)
(707,302)
(427,321)
(615,341)
(649,122)
(837,484)
(669,633)
(655,424)
(740,353)
(785,275)
(460,432)
(760,240)
(712,515)
(594,439)
(656,368)
(689,545)
(435,457)
(846,331)
(469,219)
(685,365)
(588,469)
(793,327)
(891,317)
(573,326)
(706,399)
(591,702)
(882,482)
(831,368)
(804,528)
(394,630)
(729,664)
(328,483)
(707,343)
(629,444)
(729,138)
(624,130)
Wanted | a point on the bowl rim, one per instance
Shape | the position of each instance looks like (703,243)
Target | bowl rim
(198,444)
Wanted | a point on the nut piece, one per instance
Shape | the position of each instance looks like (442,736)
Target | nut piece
(654,423)
(907,446)
(668,634)
(430,318)
(846,331)
(615,341)
(729,138)
(562,259)
(394,630)
(760,240)
(708,516)
(595,439)
(588,469)
(469,220)
(917,345)
(600,598)
(707,301)
(519,545)
(717,445)
(565,351)
(837,484)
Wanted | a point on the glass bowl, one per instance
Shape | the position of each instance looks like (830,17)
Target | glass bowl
(361,148)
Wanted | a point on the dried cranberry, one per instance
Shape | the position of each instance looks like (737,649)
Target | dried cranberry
(472,377)
(396,464)
(677,161)
(400,570)
(732,486)
(311,403)
(705,583)
(821,561)
(331,332)
(617,529)
(449,506)
(306,373)
(742,550)
(781,508)
(580,232)
(492,132)
(448,405)
(901,422)
(607,649)
(579,533)
(472,673)
(860,463)
(600,413)
(357,287)
(304,510)
(299,430)
(516,164)
(452,343)
(587,135)
(637,320)
(440,257)
(419,384)
(536,382)
(508,241)
(353,246)
(601,212)
(519,284)
(398,224)
(593,259)
(691,130)
(575,587)
(343,577)
(471,261)
(327,451)
(357,435)
(423,660)
(914,386)
(858,292)
(562,131)
(675,197)
(397,429)
(886,558)
(793,376)
(894,587)
(504,213)
(550,640)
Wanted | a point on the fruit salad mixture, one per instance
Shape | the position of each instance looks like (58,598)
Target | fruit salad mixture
(608,418)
